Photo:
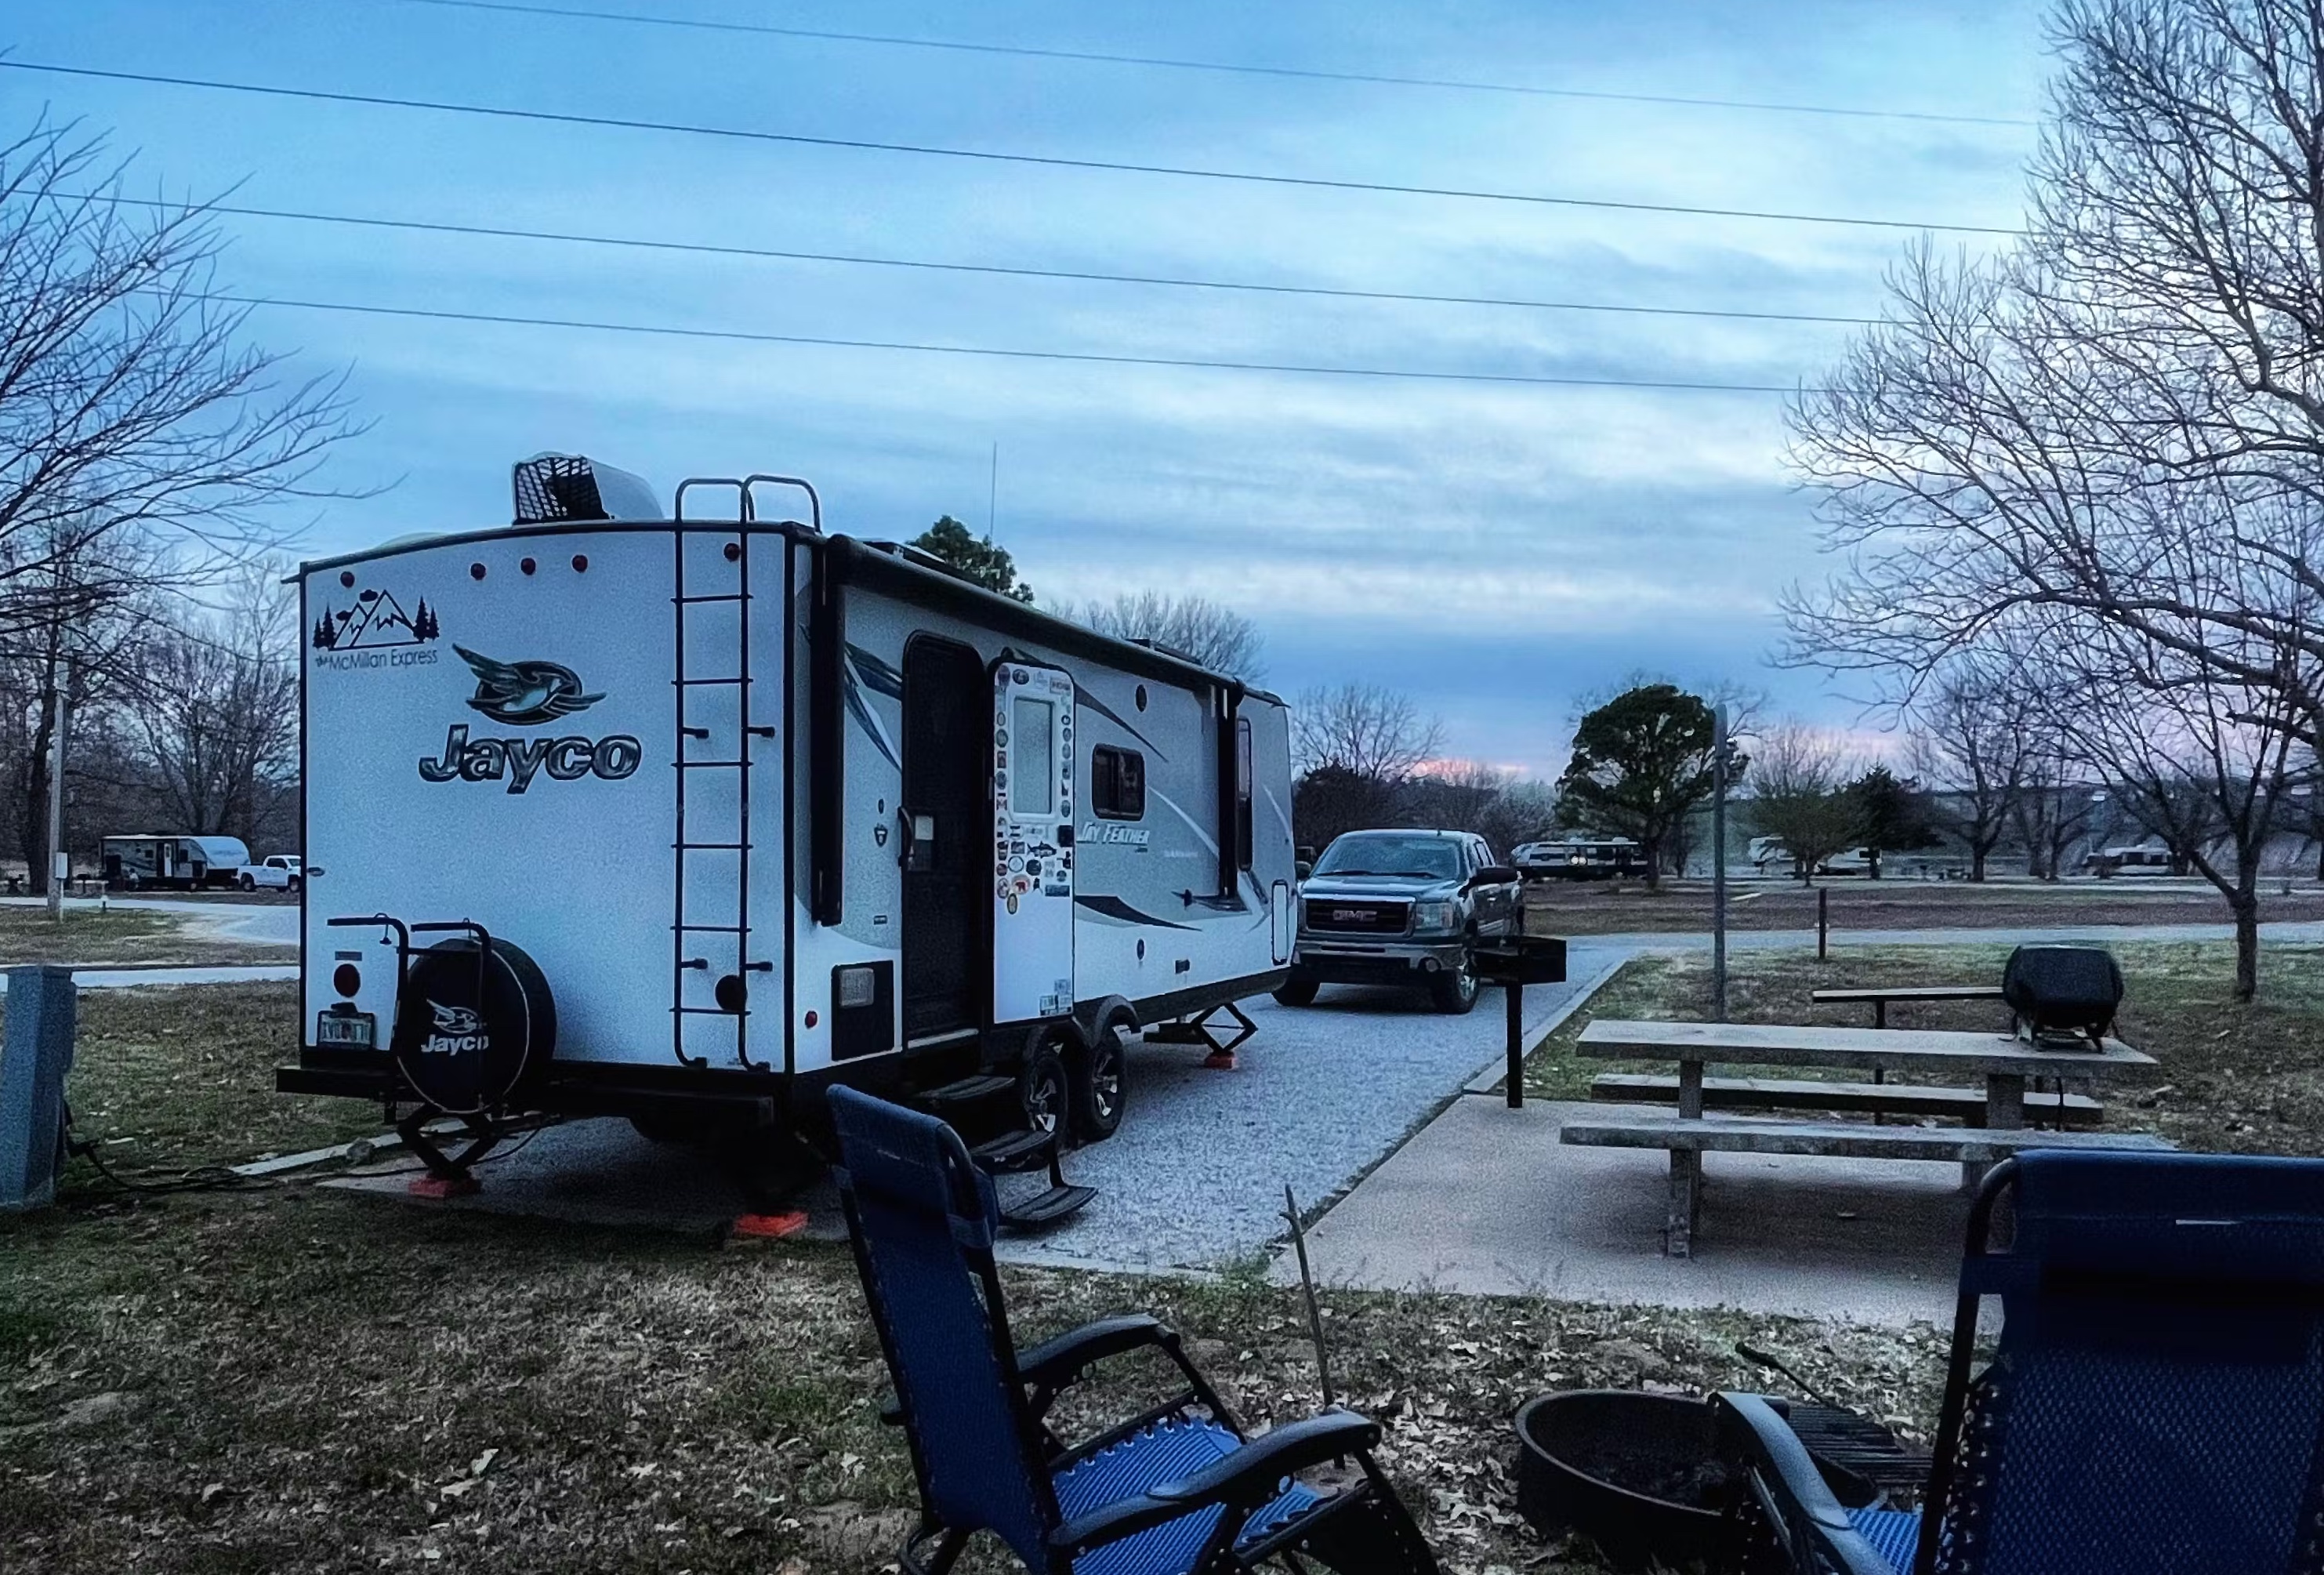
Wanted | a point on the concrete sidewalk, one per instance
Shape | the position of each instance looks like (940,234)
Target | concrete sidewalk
(1486,1201)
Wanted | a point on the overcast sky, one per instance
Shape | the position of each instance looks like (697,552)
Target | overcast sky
(1495,550)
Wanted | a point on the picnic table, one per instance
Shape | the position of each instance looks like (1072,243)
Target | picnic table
(2003,1062)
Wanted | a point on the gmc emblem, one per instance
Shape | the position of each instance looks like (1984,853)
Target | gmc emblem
(1351,915)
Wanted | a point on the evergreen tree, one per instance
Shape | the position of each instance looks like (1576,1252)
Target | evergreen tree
(980,559)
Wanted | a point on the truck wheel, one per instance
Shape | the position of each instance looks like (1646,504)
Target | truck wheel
(294,883)
(249,885)
(1295,991)
(1098,1080)
(1041,1089)
(1454,990)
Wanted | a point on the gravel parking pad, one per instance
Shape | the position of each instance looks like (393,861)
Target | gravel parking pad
(1194,1178)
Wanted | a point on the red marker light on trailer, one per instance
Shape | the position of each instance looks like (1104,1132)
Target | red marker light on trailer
(811,1019)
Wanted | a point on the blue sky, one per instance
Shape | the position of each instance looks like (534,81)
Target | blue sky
(1493,550)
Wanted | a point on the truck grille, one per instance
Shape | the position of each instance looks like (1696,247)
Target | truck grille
(1359,916)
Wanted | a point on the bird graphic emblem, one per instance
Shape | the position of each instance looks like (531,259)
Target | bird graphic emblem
(522,693)
(456,1020)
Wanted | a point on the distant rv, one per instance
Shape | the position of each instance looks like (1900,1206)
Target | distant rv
(170,862)
(1579,857)
(2109,862)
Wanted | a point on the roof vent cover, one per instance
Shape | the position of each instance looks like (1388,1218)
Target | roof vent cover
(552,487)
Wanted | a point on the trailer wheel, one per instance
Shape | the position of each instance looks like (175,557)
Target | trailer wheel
(1041,1089)
(1295,991)
(1100,1078)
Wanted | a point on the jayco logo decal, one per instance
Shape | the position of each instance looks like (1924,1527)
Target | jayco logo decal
(458,1030)
(524,694)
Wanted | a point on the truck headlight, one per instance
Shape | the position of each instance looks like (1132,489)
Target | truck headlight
(1434,917)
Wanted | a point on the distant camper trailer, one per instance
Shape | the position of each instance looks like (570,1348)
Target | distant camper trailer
(2109,862)
(1580,857)
(172,863)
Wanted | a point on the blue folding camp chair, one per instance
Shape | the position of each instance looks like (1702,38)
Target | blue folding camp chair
(1176,1490)
(2154,1404)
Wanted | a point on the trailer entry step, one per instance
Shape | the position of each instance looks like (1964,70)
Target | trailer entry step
(969,1088)
(1014,1150)
(1045,1209)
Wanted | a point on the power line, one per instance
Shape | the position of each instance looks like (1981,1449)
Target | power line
(706,248)
(1232,68)
(927,150)
(745,336)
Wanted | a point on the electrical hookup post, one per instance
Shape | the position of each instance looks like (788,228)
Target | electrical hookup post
(1514,963)
(36,1046)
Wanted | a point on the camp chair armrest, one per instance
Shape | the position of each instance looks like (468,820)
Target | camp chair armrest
(1056,1363)
(1245,1479)
(1754,1433)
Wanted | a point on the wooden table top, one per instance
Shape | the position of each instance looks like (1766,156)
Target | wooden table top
(1907,993)
(1922,1050)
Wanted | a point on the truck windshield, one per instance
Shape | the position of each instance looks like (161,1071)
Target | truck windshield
(1429,856)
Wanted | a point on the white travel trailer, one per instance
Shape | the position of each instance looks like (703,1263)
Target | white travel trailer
(138,863)
(632,811)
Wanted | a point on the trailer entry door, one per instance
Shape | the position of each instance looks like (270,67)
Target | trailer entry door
(1033,842)
(945,825)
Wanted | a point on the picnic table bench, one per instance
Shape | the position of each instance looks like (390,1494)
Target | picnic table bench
(1916,1099)
(1877,996)
(2003,1062)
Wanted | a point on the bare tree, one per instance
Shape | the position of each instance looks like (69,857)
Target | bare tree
(92,591)
(1363,729)
(1195,628)
(1798,779)
(129,400)
(1356,749)
(2203,766)
(215,708)
(1974,731)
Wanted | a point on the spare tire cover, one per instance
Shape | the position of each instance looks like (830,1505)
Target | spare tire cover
(466,1038)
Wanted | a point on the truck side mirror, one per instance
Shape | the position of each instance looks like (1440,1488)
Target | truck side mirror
(1494,875)
(1302,869)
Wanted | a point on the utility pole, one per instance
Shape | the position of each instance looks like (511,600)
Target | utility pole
(1719,748)
(993,491)
(57,798)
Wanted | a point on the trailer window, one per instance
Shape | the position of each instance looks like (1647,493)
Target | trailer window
(1117,783)
(1033,782)
(1242,790)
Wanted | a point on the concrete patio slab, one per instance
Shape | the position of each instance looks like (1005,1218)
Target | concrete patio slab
(1486,1201)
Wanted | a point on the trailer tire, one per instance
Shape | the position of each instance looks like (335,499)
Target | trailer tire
(1295,991)
(1043,1093)
(1098,1079)
(668,1130)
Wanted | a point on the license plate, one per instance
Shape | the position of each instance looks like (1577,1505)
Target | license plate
(359,1030)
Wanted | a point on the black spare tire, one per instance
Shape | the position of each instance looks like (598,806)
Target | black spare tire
(467,1037)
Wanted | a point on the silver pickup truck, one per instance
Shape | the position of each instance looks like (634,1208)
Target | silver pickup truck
(1402,908)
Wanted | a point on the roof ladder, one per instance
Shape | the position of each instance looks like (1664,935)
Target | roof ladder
(719,852)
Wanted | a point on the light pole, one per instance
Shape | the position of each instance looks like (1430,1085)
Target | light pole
(1719,748)
(57,803)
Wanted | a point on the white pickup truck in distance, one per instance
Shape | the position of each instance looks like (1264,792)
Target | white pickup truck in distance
(278,872)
